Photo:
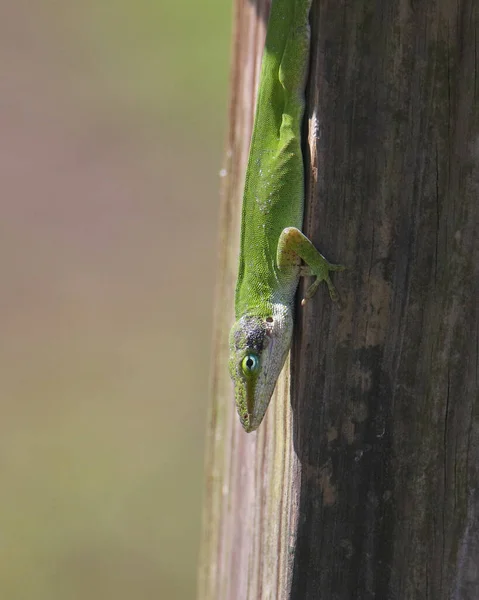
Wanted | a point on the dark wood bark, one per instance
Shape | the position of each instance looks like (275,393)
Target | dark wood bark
(364,484)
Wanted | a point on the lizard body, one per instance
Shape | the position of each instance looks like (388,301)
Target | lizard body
(272,244)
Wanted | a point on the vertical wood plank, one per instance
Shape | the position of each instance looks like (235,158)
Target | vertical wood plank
(364,483)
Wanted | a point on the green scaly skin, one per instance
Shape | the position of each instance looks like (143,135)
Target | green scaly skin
(272,244)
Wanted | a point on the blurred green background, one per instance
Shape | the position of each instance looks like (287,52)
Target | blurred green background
(112,120)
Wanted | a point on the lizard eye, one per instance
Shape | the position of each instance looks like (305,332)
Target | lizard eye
(250,364)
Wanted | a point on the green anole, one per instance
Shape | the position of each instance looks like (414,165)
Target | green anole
(272,245)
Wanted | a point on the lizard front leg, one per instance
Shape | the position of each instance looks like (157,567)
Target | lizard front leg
(293,245)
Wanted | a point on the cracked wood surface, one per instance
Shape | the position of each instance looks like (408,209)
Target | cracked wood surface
(363,481)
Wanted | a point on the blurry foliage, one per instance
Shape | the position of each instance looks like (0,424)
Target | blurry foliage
(112,119)
(168,59)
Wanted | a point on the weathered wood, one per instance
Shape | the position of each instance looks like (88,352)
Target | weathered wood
(369,486)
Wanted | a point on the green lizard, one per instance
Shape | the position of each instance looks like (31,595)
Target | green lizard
(272,244)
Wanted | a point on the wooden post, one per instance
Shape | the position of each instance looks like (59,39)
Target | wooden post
(363,480)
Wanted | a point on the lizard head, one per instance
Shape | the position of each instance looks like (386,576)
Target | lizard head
(258,349)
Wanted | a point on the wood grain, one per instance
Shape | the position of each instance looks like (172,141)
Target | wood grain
(363,482)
